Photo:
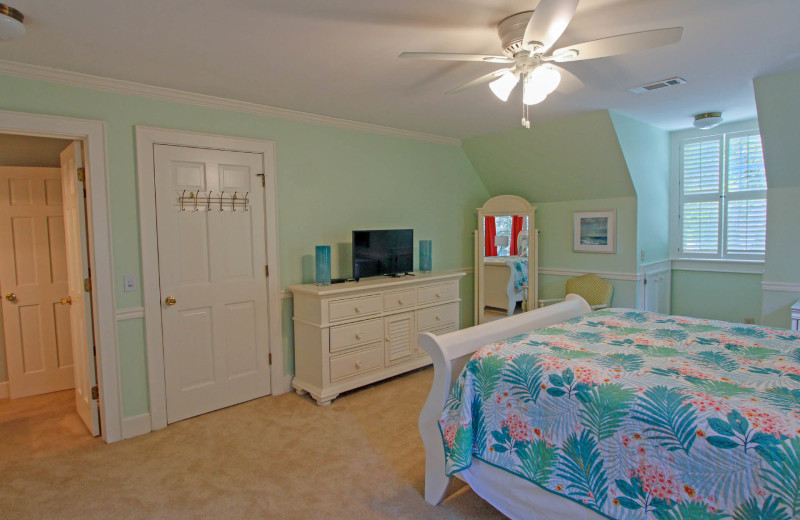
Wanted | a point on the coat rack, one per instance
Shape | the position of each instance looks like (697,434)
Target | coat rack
(194,201)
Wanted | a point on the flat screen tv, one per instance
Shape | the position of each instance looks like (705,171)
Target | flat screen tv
(383,252)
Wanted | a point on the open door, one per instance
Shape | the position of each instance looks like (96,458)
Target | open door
(78,285)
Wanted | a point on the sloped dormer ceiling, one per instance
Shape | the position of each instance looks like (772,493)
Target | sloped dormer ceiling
(576,158)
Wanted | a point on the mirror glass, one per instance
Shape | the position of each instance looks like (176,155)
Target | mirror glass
(503,259)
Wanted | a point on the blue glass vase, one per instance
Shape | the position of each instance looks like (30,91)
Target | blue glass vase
(425,247)
(323,263)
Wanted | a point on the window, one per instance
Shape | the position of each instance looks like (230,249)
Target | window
(723,197)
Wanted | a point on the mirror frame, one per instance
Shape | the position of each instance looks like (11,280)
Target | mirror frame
(499,206)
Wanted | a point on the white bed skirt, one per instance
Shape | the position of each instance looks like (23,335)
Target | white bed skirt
(520,499)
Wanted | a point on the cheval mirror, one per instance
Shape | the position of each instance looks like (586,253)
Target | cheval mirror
(506,258)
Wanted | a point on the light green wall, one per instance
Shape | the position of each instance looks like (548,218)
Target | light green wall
(554,220)
(778,113)
(718,296)
(573,164)
(647,153)
(575,158)
(330,181)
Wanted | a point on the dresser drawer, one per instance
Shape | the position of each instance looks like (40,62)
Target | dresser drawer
(436,293)
(354,334)
(354,307)
(436,317)
(400,300)
(349,365)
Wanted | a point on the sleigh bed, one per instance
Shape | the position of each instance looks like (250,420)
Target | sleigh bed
(567,413)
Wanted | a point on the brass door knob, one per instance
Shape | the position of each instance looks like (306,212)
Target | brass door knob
(12,297)
(170,300)
(65,301)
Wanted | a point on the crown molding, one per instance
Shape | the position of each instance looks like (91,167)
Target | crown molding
(118,86)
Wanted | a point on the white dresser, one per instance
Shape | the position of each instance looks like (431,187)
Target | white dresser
(352,334)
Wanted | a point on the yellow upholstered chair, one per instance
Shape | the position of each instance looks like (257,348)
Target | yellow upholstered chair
(596,291)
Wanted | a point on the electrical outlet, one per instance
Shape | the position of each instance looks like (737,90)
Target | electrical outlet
(130,283)
(642,255)
(750,321)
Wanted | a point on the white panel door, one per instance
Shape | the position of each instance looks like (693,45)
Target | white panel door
(33,274)
(80,307)
(212,258)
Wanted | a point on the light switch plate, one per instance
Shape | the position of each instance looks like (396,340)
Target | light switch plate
(130,282)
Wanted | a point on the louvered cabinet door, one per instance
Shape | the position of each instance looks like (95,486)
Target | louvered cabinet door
(399,337)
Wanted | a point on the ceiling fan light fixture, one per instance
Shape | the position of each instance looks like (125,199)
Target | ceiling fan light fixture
(11,26)
(547,77)
(707,121)
(532,92)
(502,86)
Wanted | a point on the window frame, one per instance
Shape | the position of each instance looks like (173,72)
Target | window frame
(748,262)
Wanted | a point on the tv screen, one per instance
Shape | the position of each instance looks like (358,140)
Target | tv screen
(379,252)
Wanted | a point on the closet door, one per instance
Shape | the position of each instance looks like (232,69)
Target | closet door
(212,258)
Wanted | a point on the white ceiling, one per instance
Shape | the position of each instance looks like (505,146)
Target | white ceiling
(339,57)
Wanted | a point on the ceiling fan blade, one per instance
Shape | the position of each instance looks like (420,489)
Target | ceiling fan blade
(621,44)
(569,82)
(487,78)
(455,56)
(548,23)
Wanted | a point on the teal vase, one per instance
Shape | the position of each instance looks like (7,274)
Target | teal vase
(323,263)
(425,247)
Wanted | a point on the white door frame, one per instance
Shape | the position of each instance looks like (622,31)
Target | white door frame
(93,136)
(146,138)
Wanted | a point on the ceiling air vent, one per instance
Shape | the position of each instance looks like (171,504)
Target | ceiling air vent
(664,83)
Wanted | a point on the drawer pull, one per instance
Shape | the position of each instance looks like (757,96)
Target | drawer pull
(358,335)
(399,301)
(438,318)
(438,295)
(357,309)
(358,365)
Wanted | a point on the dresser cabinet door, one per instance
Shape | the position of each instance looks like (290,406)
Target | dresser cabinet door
(399,337)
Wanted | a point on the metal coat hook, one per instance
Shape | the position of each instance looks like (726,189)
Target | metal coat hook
(208,201)
(196,196)
(233,201)
(246,201)
(221,195)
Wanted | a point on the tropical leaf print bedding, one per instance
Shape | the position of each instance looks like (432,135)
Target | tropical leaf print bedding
(639,415)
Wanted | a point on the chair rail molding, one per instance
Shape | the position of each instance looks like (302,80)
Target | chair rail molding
(780,287)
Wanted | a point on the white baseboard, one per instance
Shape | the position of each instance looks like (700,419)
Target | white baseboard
(4,390)
(136,425)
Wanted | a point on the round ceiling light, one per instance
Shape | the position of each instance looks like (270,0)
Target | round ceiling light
(707,120)
(11,26)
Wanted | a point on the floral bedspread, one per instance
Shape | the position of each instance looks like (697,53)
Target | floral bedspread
(519,271)
(639,415)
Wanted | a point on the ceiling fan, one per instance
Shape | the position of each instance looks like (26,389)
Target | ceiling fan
(527,37)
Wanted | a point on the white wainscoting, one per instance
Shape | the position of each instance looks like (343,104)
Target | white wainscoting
(137,424)
(655,286)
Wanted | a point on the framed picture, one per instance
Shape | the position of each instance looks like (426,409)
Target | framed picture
(595,231)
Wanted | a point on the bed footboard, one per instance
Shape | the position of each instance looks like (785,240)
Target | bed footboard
(450,352)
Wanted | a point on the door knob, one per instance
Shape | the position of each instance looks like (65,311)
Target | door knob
(170,300)
(12,297)
(65,301)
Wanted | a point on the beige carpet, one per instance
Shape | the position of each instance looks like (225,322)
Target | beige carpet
(272,458)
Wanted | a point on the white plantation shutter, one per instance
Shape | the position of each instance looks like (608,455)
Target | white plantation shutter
(701,166)
(701,227)
(723,207)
